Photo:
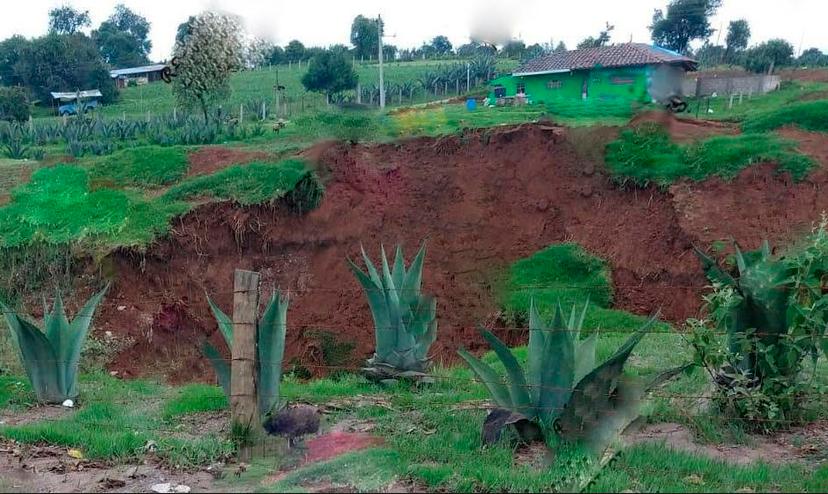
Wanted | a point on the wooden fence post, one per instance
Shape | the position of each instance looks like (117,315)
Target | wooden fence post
(244,413)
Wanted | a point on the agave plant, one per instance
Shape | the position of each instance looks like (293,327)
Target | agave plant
(561,384)
(270,350)
(405,320)
(51,357)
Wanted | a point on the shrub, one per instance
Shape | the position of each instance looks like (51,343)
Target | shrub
(14,104)
(773,314)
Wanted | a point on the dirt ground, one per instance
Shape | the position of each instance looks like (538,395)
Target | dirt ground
(480,200)
(211,159)
(804,75)
(685,130)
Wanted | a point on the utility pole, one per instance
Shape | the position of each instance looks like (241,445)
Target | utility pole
(381,79)
(468,77)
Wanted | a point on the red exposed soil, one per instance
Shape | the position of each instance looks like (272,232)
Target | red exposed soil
(481,201)
(805,75)
(211,159)
(685,131)
(337,443)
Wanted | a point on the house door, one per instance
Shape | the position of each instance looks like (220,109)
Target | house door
(585,86)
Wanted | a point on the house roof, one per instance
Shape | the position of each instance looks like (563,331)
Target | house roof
(136,70)
(621,55)
(70,96)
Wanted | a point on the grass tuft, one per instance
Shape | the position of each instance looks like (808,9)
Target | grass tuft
(195,398)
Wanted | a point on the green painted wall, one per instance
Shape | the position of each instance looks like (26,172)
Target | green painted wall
(608,85)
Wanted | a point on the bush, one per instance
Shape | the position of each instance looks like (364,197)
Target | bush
(347,125)
(765,322)
(14,104)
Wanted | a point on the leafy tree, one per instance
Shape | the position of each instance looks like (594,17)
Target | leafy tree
(684,21)
(257,52)
(205,59)
(276,55)
(812,57)
(68,20)
(10,53)
(329,73)
(183,30)
(468,50)
(534,51)
(365,37)
(14,104)
(295,51)
(772,53)
(602,39)
(389,52)
(124,38)
(441,46)
(561,47)
(710,55)
(513,49)
(738,35)
(68,62)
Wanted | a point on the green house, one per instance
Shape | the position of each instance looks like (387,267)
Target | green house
(617,74)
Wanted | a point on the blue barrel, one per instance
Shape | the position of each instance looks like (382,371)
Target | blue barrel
(471,104)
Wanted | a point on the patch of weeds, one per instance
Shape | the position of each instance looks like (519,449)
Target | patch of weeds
(646,155)
(195,398)
(145,166)
(561,273)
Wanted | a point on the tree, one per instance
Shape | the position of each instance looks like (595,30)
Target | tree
(812,57)
(276,56)
(602,39)
(365,37)
(441,46)
(560,48)
(329,73)
(389,52)
(68,20)
(513,49)
(773,53)
(183,30)
(11,50)
(738,35)
(257,53)
(124,38)
(205,59)
(534,51)
(684,21)
(295,51)
(710,55)
(14,104)
(67,62)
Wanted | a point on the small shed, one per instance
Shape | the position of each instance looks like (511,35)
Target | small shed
(140,75)
(70,102)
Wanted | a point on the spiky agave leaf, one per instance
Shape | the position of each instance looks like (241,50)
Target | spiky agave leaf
(491,379)
(271,351)
(557,370)
(220,366)
(225,324)
(521,402)
(603,403)
(38,359)
(69,352)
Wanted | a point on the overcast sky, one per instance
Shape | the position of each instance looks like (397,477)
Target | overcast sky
(318,22)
